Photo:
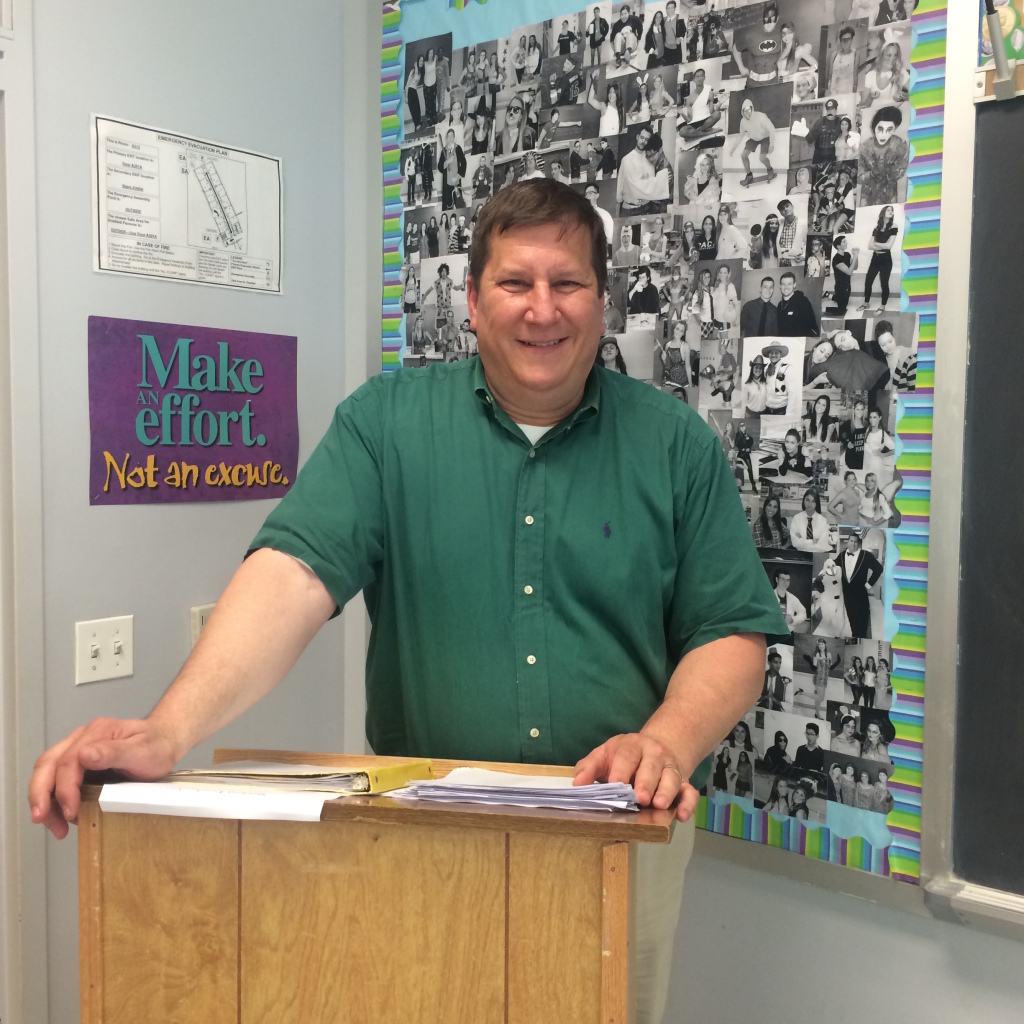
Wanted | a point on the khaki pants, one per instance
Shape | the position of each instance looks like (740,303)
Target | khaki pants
(659,895)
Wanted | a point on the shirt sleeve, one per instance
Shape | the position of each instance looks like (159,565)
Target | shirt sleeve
(721,587)
(333,518)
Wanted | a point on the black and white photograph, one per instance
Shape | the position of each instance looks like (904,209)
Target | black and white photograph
(792,792)
(428,82)
(856,782)
(788,572)
(778,689)
(756,150)
(718,373)
(842,53)
(866,675)
(817,661)
(861,562)
(859,732)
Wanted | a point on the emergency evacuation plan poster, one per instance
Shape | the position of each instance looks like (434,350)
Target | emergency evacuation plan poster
(184,209)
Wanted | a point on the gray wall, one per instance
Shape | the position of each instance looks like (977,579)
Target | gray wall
(262,76)
(284,79)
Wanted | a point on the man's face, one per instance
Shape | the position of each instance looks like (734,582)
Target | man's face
(538,316)
(670,8)
(592,195)
(642,138)
(625,238)
(787,213)
(845,42)
(854,543)
(787,285)
(450,139)
(451,317)
(883,132)
(812,738)
(767,289)
(775,663)
(604,144)
(698,78)
(830,113)
(782,582)
(747,109)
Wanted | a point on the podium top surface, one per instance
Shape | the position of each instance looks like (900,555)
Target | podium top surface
(644,826)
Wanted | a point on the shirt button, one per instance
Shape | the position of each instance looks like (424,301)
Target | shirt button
(534,733)
(531,659)
(533,453)
(527,589)
(529,520)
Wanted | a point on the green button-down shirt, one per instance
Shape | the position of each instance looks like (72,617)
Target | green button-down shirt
(527,601)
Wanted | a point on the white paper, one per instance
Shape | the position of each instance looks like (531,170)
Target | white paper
(485,786)
(201,801)
(171,206)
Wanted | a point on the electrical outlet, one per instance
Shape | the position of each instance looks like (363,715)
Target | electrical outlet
(199,614)
(104,649)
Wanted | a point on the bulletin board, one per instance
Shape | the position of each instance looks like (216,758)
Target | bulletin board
(769,177)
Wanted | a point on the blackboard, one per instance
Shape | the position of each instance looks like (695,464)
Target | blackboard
(988,786)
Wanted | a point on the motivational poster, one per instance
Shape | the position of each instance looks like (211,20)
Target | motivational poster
(180,413)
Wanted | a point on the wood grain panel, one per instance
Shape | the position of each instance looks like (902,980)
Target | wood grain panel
(90,913)
(372,924)
(170,919)
(554,930)
(618,880)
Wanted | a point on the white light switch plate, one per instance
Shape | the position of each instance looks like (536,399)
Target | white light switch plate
(198,615)
(104,649)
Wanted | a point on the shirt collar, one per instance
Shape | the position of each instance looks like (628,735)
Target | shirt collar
(589,406)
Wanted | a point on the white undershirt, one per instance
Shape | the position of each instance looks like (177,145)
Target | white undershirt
(533,432)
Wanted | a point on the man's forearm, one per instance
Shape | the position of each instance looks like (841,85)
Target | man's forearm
(266,616)
(712,688)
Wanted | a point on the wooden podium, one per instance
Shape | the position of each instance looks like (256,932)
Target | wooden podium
(380,913)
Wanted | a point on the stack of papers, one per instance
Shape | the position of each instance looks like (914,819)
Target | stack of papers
(257,789)
(483,786)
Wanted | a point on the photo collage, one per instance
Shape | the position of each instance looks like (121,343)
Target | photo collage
(748,161)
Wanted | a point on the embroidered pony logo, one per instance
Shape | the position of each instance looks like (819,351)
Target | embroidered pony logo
(608,529)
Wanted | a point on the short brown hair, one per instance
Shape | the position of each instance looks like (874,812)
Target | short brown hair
(535,203)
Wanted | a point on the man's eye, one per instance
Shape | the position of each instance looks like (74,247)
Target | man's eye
(514,283)
(564,286)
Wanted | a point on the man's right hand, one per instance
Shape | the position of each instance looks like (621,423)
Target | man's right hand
(138,748)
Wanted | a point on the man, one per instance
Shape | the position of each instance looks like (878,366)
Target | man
(700,114)
(757,48)
(790,605)
(566,40)
(842,70)
(640,189)
(675,33)
(547,133)
(627,254)
(757,133)
(792,237)
(883,160)
(625,35)
(593,162)
(759,317)
(550,624)
(576,161)
(570,85)
(844,263)
(809,755)
(597,33)
(593,194)
(797,318)
(483,178)
(822,135)
(861,571)
(608,165)
(776,383)
(773,693)
(448,336)
(613,319)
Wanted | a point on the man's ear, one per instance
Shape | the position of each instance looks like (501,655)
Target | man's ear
(471,300)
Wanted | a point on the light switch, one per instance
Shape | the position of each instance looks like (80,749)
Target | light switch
(104,649)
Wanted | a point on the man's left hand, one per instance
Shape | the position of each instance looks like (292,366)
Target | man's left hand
(648,764)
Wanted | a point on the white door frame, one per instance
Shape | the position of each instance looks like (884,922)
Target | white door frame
(23,936)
